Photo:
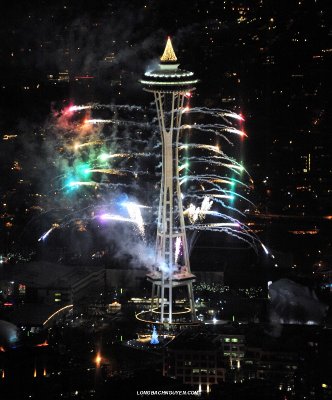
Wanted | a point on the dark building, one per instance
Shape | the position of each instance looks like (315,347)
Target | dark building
(52,284)
(195,358)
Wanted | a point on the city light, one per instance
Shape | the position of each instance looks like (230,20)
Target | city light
(98,359)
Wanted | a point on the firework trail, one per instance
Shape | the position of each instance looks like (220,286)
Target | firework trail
(134,211)
(207,128)
(97,106)
(201,146)
(228,228)
(178,244)
(79,183)
(73,108)
(113,217)
(108,171)
(45,235)
(236,167)
(212,178)
(104,156)
(99,121)
(215,128)
(78,146)
(216,112)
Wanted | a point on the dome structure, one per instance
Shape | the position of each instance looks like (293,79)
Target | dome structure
(9,335)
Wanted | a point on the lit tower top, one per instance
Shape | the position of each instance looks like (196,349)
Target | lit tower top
(168,77)
(171,274)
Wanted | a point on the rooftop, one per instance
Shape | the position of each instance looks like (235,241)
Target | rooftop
(46,274)
(195,341)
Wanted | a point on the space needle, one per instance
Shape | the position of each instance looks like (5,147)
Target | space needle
(172,89)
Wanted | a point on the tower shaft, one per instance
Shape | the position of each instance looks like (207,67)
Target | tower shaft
(170,215)
(171,243)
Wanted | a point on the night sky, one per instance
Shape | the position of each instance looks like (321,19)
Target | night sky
(268,61)
(65,172)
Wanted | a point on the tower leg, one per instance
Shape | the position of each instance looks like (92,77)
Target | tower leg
(170,305)
(158,297)
(191,301)
(153,296)
(162,299)
(157,302)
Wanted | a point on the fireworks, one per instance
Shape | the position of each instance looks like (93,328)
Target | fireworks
(134,211)
(102,166)
(135,216)
(198,213)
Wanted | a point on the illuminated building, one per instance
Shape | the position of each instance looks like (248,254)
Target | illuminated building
(233,345)
(171,88)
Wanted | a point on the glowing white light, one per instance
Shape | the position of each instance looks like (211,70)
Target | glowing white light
(114,217)
(99,121)
(177,248)
(136,216)
(233,115)
(195,213)
(265,249)
(166,83)
(44,236)
(177,75)
(78,108)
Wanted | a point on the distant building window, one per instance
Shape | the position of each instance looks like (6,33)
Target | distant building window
(21,289)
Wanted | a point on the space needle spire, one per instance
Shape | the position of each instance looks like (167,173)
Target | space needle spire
(171,88)
(168,54)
